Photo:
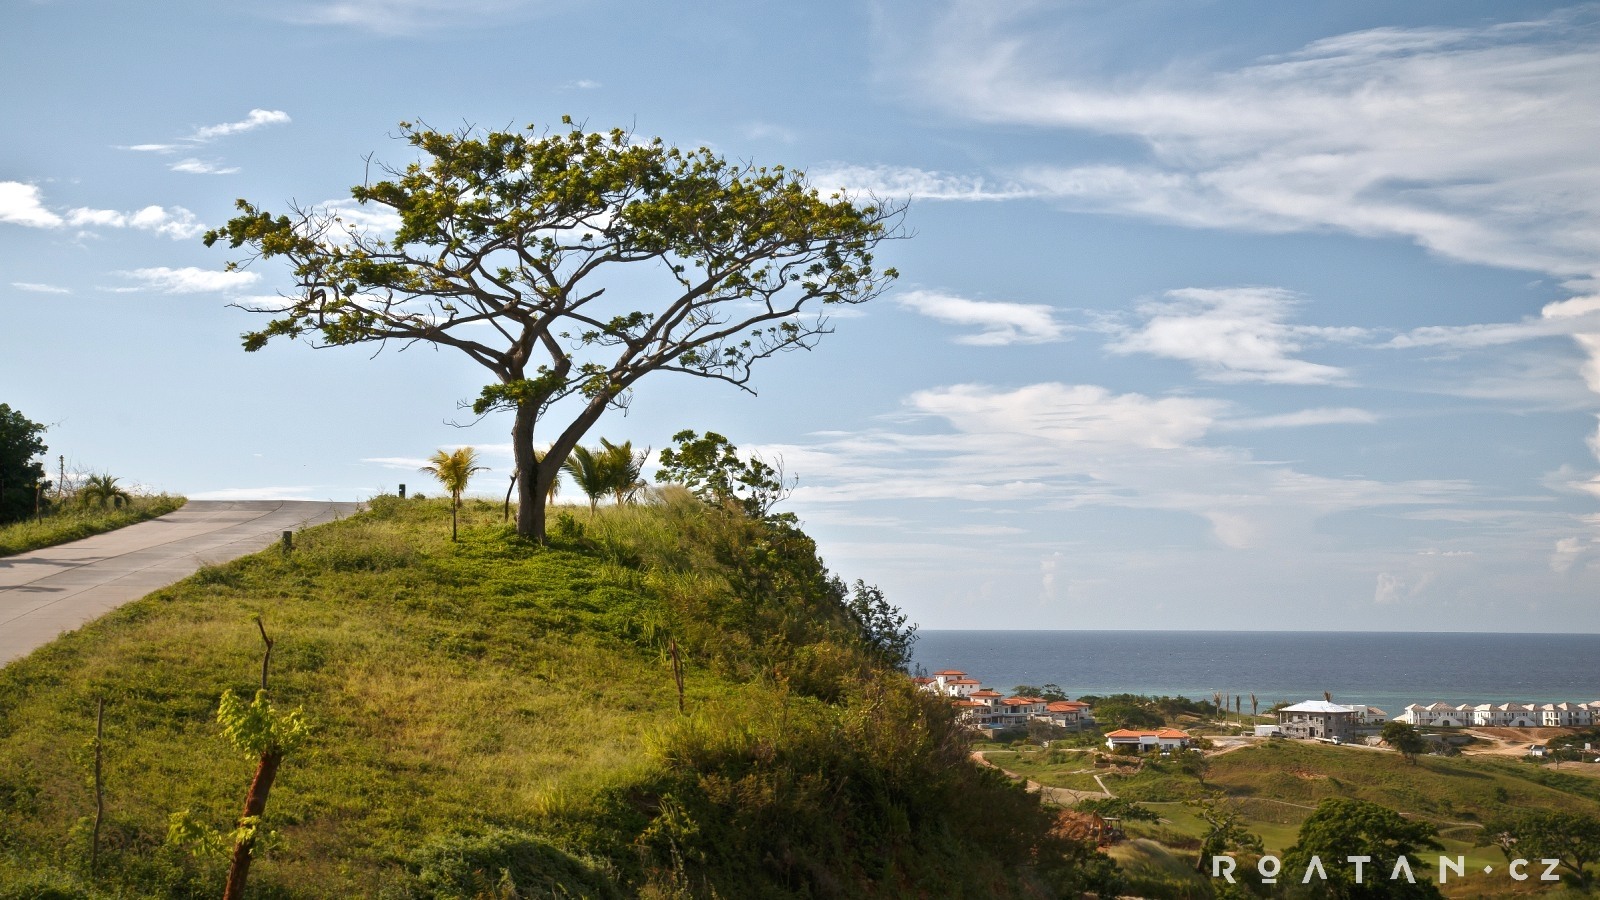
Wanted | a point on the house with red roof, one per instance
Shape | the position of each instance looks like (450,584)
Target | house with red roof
(1164,739)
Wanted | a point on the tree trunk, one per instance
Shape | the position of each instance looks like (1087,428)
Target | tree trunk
(530,500)
(255,803)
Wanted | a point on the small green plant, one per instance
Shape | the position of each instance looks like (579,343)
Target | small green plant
(254,728)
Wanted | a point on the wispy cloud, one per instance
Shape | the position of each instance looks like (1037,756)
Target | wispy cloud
(999,323)
(911,183)
(1422,133)
(400,17)
(191,280)
(257,118)
(1055,447)
(1302,418)
(1233,335)
(270,492)
(195,166)
(36,288)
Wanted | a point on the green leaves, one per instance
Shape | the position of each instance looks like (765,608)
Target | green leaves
(255,728)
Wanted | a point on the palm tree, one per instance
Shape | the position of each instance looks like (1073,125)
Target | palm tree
(103,489)
(625,469)
(454,470)
(591,472)
(1253,706)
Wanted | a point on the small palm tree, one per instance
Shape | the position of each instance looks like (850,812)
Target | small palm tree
(454,470)
(103,489)
(590,472)
(625,468)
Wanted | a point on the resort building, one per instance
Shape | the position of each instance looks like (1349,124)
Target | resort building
(1317,719)
(981,708)
(1502,715)
(1165,739)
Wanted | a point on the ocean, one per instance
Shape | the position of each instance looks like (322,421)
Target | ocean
(1384,669)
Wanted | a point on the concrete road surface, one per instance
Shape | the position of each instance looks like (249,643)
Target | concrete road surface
(50,591)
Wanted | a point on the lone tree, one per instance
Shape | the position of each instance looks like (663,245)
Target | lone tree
(1404,737)
(509,249)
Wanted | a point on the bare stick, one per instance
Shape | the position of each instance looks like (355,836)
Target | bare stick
(99,788)
(267,656)
(677,670)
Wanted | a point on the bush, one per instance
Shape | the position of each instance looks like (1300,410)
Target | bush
(503,863)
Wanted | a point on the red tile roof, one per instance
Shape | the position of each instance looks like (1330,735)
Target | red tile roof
(985,693)
(950,672)
(1169,733)
(1066,706)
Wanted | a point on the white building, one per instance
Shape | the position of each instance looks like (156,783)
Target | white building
(1166,739)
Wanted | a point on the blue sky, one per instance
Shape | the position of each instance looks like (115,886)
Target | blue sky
(1213,315)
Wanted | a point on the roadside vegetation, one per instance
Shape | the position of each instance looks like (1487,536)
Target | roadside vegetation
(71,520)
(491,718)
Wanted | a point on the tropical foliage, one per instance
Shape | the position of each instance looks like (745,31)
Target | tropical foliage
(103,490)
(454,469)
(608,470)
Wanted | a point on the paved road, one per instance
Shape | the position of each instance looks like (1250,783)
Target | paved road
(47,592)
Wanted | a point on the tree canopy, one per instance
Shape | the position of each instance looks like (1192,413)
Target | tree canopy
(1342,828)
(510,248)
(20,471)
(1571,837)
(1405,738)
(712,468)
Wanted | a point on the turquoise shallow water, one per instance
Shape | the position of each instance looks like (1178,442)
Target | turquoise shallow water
(1383,669)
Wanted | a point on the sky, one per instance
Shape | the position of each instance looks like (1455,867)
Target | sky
(1211,315)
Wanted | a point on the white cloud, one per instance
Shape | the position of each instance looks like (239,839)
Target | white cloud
(151,148)
(194,166)
(399,17)
(1392,589)
(37,288)
(1425,133)
(256,119)
(176,223)
(1000,323)
(1080,414)
(273,492)
(1322,416)
(910,183)
(20,204)
(408,463)
(1233,335)
(191,280)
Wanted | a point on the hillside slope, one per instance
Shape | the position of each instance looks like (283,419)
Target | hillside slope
(497,719)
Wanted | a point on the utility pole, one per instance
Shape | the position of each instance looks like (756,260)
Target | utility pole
(61,482)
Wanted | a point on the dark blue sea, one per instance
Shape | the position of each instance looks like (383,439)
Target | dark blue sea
(1383,669)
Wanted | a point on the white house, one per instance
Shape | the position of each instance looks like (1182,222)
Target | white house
(1317,719)
(1165,739)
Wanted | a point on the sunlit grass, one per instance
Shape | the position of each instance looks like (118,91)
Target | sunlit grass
(72,523)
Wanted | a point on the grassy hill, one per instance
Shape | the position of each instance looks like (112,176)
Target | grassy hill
(1277,784)
(496,719)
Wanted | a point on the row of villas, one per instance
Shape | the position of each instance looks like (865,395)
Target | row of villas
(1504,715)
(979,707)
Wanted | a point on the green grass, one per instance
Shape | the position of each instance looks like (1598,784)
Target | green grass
(491,714)
(74,523)
(1278,784)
